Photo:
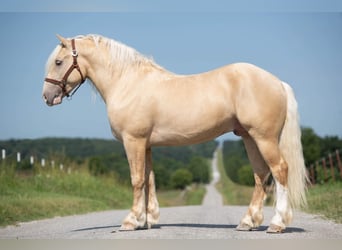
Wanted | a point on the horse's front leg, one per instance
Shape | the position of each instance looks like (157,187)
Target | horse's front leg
(136,152)
(150,190)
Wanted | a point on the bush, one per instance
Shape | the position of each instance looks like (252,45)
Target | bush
(246,176)
(97,167)
(181,178)
(162,176)
(199,169)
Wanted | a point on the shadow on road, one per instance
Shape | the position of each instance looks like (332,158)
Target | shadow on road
(94,228)
(193,225)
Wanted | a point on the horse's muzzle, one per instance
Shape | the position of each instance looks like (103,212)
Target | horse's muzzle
(52,94)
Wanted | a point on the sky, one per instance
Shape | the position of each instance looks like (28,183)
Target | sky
(300,46)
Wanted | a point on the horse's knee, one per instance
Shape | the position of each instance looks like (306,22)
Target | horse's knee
(137,182)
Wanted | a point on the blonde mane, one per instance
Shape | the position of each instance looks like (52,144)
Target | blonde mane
(122,56)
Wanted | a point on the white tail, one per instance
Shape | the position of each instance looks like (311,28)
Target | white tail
(291,149)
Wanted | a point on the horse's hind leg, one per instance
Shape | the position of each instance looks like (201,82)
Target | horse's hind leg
(269,149)
(150,192)
(254,215)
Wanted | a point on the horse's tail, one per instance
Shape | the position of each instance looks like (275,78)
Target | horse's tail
(291,149)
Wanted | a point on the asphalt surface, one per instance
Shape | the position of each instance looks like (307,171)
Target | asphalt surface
(211,220)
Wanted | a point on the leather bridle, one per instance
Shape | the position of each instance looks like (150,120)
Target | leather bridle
(62,83)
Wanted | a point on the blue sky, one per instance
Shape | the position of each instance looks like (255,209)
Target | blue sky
(300,47)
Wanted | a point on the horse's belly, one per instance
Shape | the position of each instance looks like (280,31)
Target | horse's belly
(177,135)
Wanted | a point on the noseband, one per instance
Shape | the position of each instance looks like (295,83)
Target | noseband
(62,83)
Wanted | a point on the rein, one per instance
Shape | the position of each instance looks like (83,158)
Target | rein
(62,83)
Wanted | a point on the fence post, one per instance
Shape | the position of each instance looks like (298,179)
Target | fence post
(339,162)
(3,154)
(42,162)
(325,169)
(317,167)
(31,160)
(332,170)
(18,157)
(312,173)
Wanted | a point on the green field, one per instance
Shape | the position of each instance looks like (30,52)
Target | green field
(326,200)
(193,195)
(48,193)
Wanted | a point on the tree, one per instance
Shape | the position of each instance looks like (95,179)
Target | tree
(162,176)
(311,146)
(234,157)
(181,178)
(330,144)
(246,176)
(199,169)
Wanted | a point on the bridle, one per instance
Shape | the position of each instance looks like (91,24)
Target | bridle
(62,83)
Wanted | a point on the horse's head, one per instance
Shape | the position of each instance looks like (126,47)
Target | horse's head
(63,72)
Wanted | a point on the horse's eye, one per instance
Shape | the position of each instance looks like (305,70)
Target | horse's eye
(58,62)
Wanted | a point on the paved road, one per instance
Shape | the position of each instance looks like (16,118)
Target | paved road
(212,220)
(213,198)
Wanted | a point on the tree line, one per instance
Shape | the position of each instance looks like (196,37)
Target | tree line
(175,167)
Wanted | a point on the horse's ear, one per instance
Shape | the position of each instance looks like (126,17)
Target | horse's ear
(63,40)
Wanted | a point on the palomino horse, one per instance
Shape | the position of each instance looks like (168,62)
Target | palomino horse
(150,106)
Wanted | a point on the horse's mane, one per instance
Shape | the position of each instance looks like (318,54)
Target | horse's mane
(122,56)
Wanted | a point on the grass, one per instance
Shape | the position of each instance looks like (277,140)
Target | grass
(326,200)
(232,193)
(193,195)
(55,193)
(45,193)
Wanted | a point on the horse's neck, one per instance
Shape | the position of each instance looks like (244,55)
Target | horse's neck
(109,79)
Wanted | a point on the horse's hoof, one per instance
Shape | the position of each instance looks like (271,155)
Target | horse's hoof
(152,220)
(243,227)
(130,227)
(274,229)
(127,227)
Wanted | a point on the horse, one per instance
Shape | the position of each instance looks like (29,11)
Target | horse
(149,106)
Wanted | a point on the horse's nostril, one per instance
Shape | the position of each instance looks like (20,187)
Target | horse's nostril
(46,100)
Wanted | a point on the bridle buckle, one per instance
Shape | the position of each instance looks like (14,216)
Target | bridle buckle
(74,53)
